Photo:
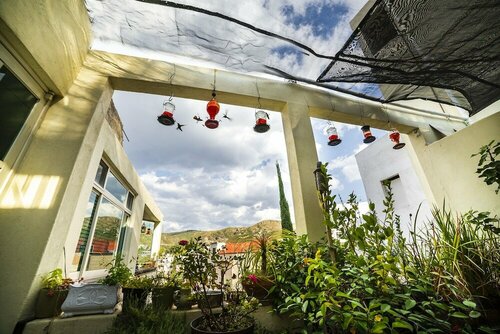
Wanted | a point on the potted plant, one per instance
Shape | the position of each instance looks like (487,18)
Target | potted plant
(52,295)
(164,286)
(137,289)
(183,298)
(204,269)
(118,273)
(258,278)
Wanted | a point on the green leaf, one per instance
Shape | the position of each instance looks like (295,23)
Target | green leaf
(402,324)
(342,294)
(304,306)
(409,304)
(474,314)
(469,303)
(378,328)
(347,321)
(385,307)
(459,315)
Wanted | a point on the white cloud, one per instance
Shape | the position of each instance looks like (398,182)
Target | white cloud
(348,166)
(202,178)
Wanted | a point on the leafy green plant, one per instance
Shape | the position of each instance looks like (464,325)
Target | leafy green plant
(488,165)
(54,281)
(140,320)
(118,273)
(368,279)
(139,282)
(202,266)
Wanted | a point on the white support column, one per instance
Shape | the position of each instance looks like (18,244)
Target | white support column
(302,158)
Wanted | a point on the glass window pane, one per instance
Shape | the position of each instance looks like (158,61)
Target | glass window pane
(116,188)
(16,102)
(76,264)
(100,176)
(130,200)
(104,242)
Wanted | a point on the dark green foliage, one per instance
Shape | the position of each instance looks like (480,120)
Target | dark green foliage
(488,165)
(286,222)
(136,319)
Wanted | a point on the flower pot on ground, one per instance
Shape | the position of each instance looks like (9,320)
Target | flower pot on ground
(163,298)
(164,286)
(213,298)
(49,302)
(52,295)
(183,299)
(137,289)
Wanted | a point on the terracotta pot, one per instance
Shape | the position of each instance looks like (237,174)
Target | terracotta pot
(196,330)
(48,304)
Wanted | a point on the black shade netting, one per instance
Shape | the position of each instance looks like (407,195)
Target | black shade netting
(441,50)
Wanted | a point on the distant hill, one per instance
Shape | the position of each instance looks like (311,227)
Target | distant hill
(229,234)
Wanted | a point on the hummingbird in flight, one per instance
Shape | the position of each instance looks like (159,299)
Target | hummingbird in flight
(179,126)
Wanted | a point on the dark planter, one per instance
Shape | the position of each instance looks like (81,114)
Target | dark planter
(135,297)
(183,299)
(48,303)
(196,322)
(259,290)
(163,298)
(214,299)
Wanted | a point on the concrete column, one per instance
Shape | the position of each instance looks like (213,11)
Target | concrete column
(302,158)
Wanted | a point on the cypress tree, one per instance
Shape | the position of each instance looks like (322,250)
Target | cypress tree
(286,222)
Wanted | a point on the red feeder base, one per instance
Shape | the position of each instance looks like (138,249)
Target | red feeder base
(166,120)
(211,123)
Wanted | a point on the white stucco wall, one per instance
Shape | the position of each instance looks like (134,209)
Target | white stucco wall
(379,162)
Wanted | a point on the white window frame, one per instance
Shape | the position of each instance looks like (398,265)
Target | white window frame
(102,192)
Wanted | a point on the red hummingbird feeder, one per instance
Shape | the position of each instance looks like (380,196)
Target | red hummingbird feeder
(395,136)
(167,117)
(261,118)
(333,136)
(212,110)
(369,138)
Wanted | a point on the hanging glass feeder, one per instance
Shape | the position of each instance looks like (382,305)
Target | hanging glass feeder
(143,228)
(167,117)
(395,138)
(261,118)
(333,136)
(369,138)
(212,110)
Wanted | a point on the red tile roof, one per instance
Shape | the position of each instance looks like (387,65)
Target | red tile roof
(239,247)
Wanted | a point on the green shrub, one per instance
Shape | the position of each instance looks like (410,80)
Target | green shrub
(369,279)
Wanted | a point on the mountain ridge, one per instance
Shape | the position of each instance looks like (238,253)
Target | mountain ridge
(228,234)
